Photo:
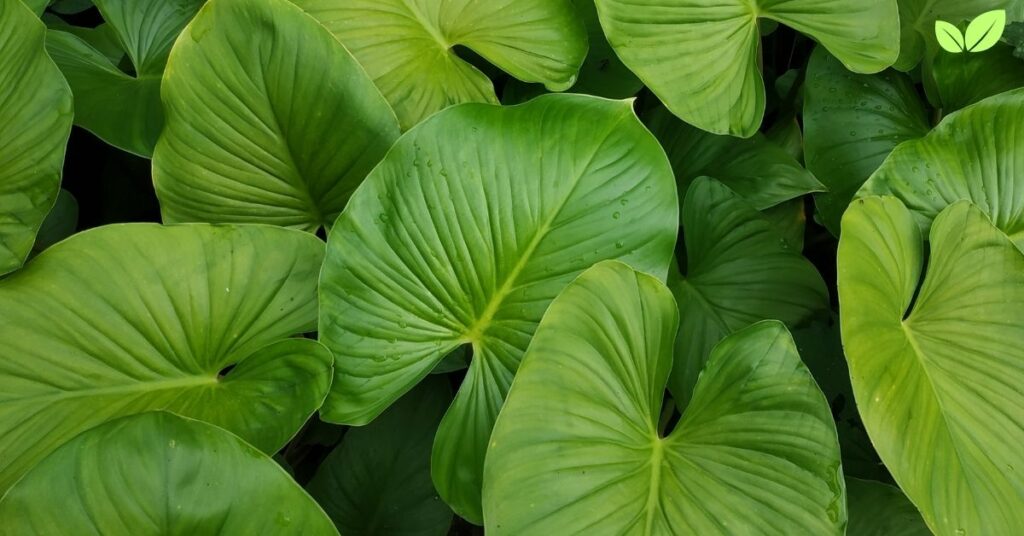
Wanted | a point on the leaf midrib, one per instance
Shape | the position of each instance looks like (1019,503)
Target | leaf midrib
(142,386)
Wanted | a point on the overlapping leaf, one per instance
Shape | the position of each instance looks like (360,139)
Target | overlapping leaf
(269,119)
(35,121)
(937,367)
(131,318)
(157,474)
(475,220)
(577,447)
(407,46)
(878,509)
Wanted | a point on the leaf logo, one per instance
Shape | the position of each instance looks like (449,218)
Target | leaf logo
(982,34)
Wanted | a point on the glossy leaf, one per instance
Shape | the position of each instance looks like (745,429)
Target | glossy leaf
(269,119)
(851,124)
(760,171)
(407,47)
(131,318)
(146,29)
(964,79)
(474,221)
(35,121)
(937,369)
(878,509)
(159,474)
(975,154)
(701,59)
(739,270)
(577,447)
(378,480)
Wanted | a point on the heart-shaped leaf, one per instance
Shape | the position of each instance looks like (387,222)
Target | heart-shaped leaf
(985,30)
(35,122)
(408,48)
(739,270)
(760,171)
(474,221)
(938,370)
(577,447)
(701,59)
(851,124)
(269,119)
(377,481)
(131,318)
(878,509)
(976,154)
(120,108)
(158,474)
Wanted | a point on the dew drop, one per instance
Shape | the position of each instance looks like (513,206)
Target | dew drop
(619,245)
(616,215)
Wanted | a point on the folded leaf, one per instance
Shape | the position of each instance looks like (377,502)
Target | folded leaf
(938,370)
(701,59)
(474,221)
(577,447)
(131,318)
(269,119)
(35,122)
(159,474)
(975,154)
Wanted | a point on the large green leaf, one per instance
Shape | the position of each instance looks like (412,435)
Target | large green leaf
(851,123)
(475,220)
(122,108)
(964,79)
(701,58)
(577,448)
(739,270)
(35,122)
(938,371)
(917,21)
(131,318)
(407,46)
(378,480)
(975,154)
(269,119)
(159,474)
(878,509)
(755,168)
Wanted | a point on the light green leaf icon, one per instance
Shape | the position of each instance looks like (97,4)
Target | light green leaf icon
(984,32)
(949,36)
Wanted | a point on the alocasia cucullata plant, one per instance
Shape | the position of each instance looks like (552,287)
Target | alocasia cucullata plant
(429,267)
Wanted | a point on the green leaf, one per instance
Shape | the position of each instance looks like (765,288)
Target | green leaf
(739,270)
(35,122)
(918,17)
(123,109)
(71,7)
(757,169)
(408,48)
(60,223)
(102,37)
(131,318)
(120,109)
(1013,35)
(269,120)
(976,153)
(378,480)
(938,370)
(465,232)
(878,509)
(964,79)
(949,37)
(702,59)
(985,30)
(577,446)
(37,6)
(851,124)
(159,474)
